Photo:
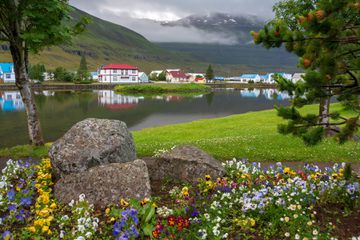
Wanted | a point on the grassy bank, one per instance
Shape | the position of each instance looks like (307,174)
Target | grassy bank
(162,88)
(252,135)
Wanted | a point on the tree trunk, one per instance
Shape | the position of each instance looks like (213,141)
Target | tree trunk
(20,55)
(325,115)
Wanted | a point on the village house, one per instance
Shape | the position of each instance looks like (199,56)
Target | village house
(7,74)
(246,78)
(143,78)
(118,73)
(11,101)
(175,76)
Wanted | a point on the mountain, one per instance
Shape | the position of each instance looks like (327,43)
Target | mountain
(104,42)
(237,27)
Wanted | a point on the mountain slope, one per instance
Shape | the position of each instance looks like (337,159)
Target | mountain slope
(227,25)
(105,42)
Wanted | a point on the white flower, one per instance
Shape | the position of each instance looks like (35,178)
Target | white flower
(315,232)
(287,234)
(297,236)
(80,238)
(62,234)
(88,234)
(64,218)
(71,204)
(81,228)
(207,216)
(81,197)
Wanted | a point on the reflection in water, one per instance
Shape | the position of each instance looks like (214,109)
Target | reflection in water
(110,100)
(11,101)
(59,110)
(267,93)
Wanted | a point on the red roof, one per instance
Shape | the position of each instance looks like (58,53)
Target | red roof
(120,66)
(178,74)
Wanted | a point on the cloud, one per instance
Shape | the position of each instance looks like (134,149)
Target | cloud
(132,14)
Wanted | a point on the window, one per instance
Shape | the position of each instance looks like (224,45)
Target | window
(8,97)
(134,79)
(8,75)
(134,71)
(114,71)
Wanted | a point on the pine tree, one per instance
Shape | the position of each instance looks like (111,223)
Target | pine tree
(83,72)
(209,73)
(326,38)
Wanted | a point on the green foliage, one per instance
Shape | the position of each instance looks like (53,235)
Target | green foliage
(161,76)
(36,72)
(321,33)
(209,73)
(62,75)
(163,88)
(83,74)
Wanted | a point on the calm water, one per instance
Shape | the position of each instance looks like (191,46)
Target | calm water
(59,110)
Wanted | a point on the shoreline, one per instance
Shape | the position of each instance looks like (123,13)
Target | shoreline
(100,86)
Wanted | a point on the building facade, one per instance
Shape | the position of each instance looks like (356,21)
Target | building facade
(7,74)
(118,73)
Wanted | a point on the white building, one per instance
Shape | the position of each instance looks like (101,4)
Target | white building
(297,77)
(246,78)
(175,76)
(118,73)
(7,74)
(143,78)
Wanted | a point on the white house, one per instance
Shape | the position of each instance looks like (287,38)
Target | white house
(118,73)
(7,74)
(143,78)
(247,93)
(297,77)
(175,76)
(246,78)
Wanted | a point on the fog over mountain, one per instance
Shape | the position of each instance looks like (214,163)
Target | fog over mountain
(153,18)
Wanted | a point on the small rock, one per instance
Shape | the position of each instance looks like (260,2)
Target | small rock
(106,184)
(91,143)
(184,163)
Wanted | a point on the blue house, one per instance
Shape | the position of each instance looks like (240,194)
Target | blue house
(219,78)
(7,74)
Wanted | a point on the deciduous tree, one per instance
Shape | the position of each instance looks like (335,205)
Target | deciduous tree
(29,26)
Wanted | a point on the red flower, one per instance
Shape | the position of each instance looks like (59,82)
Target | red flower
(156,234)
(186,223)
(171,220)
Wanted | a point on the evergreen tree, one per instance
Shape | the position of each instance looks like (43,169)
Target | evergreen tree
(209,73)
(83,73)
(326,37)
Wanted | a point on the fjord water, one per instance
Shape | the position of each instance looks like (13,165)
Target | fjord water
(59,110)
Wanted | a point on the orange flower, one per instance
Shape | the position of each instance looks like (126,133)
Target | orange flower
(171,220)
(156,234)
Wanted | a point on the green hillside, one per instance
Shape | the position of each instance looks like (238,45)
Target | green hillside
(105,42)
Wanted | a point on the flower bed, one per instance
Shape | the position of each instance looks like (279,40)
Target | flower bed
(248,203)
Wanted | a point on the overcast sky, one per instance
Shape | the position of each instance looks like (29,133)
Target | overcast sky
(129,12)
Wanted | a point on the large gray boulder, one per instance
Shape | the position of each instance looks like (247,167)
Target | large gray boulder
(91,143)
(106,184)
(183,163)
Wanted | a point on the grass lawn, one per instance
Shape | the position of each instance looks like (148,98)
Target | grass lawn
(163,88)
(252,135)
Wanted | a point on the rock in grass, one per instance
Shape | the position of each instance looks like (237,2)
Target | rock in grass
(106,184)
(91,143)
(184,163)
